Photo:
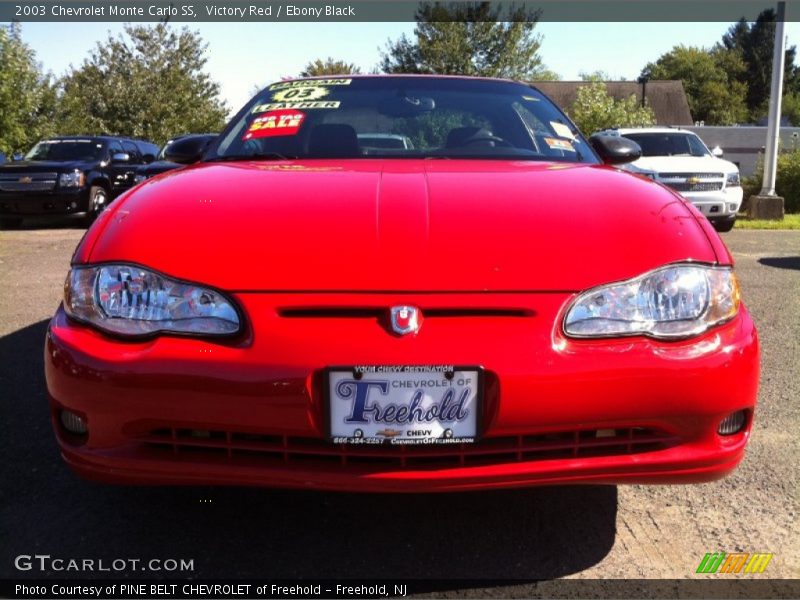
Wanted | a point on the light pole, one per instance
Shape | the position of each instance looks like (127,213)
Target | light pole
(643,79)
(767,205)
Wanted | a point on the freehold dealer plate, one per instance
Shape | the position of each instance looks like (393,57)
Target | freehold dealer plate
(403,404)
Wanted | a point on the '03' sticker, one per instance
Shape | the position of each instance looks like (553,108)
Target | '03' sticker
(300,93)
(274,123)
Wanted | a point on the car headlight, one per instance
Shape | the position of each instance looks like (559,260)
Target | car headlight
(677,301)
(74,178)
(137,179)
(733,180)
(129,300)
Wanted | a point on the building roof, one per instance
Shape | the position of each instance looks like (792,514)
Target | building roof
(667,98)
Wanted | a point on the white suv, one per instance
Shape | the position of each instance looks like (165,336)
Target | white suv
(680,160)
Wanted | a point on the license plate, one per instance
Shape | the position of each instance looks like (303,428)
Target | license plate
(404,404)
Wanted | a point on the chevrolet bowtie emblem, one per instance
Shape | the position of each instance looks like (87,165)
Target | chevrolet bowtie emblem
(405,319)
(389,433)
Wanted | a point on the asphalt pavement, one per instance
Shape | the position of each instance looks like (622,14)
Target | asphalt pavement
(520,539)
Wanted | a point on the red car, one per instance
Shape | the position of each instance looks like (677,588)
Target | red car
(488,304)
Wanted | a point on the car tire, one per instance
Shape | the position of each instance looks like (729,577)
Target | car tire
(10,223)
(724,225)
(98,202)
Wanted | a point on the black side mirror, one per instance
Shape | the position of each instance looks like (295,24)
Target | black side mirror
(186,151)
(148,158)
(615,150)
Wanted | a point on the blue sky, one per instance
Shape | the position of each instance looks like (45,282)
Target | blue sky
(244,55)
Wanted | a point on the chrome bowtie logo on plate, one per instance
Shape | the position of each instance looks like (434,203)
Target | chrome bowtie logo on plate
(405,319)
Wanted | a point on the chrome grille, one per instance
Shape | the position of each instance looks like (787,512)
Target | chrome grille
(27,182)
(693,182)
(687,175)
(702,186)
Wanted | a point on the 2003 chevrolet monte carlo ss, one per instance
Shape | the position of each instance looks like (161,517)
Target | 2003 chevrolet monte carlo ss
(402,283)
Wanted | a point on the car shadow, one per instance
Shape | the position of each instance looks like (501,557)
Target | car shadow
(519,535)
(781,262)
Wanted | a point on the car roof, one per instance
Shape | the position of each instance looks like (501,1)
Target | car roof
(104,138)
(400,75)
(629,130)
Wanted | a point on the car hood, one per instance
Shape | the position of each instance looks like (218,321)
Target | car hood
(683,164)
(156,168)
(41,166)
(402,225)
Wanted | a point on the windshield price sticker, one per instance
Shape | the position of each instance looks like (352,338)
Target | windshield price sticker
(300,93)
(270,106)
(404,405)
(309,82)
(557,144)
(562,130)
(279,122)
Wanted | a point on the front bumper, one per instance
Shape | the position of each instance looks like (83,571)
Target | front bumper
(65,202)
(250,411)
(723,204)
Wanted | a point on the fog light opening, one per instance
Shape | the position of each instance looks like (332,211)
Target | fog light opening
(73,423)
(733,423)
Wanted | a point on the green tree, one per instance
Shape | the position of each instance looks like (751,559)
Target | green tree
(329,66)
(594,110)
(714,92)
(149,82)
(598,75)
(27,97)
(466,38)
(754,44)
(790,107)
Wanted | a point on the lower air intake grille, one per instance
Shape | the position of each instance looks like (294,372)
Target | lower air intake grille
(298,450)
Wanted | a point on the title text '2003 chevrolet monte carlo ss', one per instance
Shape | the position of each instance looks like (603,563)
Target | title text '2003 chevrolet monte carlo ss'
(490,303)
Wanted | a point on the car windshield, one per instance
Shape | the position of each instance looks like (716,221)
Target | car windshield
(66,150)
(669,144)
(401,117)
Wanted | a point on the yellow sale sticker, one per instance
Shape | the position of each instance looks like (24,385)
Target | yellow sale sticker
(300,93)
(259,108)
(309,82)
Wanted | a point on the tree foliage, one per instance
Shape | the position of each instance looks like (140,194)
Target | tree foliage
(754,44)
(712,80)
(329,66)
(787,180)
(466,38)
(27,96)
(594,109)
(149,82)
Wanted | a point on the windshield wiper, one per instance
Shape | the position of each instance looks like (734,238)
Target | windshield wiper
(257,156)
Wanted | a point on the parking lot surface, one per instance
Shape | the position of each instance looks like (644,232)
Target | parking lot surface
(519,537)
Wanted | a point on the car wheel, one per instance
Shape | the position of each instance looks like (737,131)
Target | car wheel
(10,223)
(98,202)
(726,225)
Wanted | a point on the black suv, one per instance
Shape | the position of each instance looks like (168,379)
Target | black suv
(162,165)
(70,176)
